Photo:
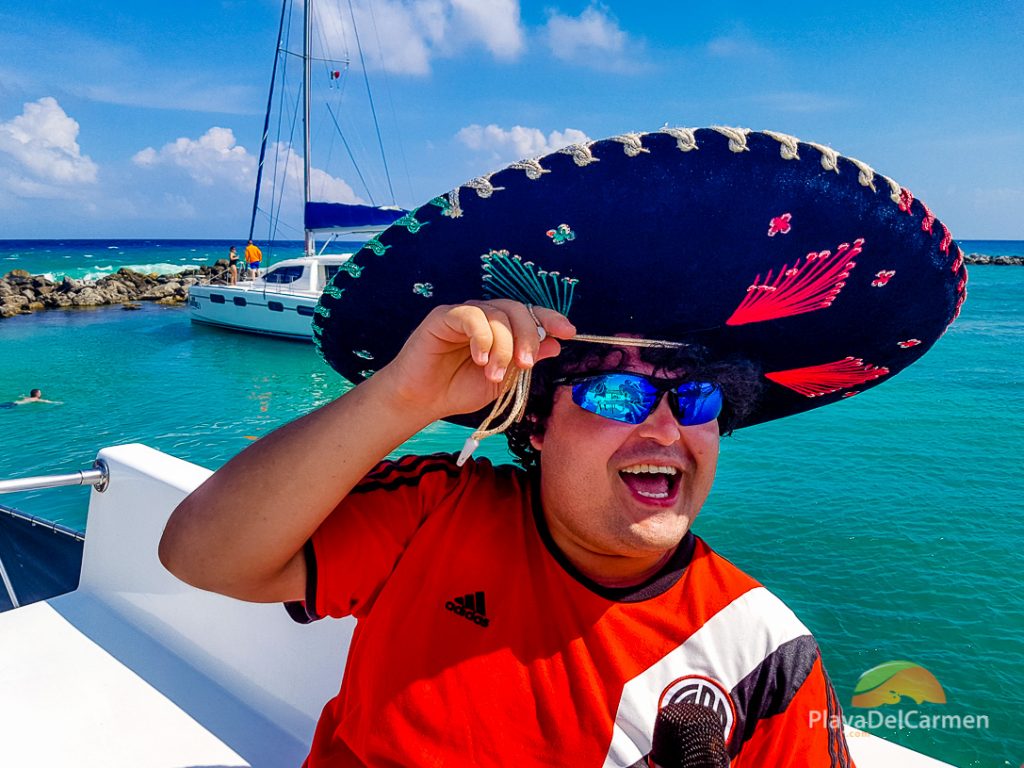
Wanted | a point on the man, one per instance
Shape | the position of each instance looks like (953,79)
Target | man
(546,617)
(35,396)
(608,529)
(253,258)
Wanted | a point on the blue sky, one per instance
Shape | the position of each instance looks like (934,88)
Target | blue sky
(143,119)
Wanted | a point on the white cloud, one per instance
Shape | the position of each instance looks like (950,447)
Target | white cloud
(593,38)
(176,94)
(404,36)
(495,23)
(518,141)
(42,145)
(215,158)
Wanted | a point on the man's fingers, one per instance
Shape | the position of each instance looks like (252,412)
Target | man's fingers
(489,332)
(530,326)
(555,323)
(471,323)
(502,332)
(502,345)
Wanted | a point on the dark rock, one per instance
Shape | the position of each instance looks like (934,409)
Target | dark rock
(89,297)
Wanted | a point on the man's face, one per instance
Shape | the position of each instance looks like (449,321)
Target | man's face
(601,501)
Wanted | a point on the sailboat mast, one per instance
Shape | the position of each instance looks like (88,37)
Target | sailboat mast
(266,123)
(307,62)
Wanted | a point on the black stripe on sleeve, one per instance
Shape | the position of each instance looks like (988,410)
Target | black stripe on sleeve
(408,470)
(771,686)
(304,612)
(837,746)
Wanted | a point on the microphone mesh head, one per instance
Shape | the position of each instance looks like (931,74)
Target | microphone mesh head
(688,736)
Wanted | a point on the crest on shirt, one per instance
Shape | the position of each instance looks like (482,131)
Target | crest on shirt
(705,691)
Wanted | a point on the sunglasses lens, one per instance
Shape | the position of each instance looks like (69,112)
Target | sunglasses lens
(699,403)
(630,398)
(620,397)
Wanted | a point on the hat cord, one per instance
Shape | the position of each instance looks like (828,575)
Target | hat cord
(515,390)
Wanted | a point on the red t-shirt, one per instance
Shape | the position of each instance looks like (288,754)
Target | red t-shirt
(478,643)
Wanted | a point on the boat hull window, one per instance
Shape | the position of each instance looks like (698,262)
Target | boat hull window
(304,310)
(283,275)
(239,301)
(216,298)
(275,306)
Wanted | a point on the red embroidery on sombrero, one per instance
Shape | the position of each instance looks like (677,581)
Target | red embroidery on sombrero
(882,278)
(947,239)
(803,288)
(961,290)
(928,220)
(824,379)
(958,261)
(908,343)
(906,198)
(780,225)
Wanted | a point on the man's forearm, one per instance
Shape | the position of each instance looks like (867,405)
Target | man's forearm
(241,532)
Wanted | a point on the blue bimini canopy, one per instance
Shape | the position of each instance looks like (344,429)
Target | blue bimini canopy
(343,216)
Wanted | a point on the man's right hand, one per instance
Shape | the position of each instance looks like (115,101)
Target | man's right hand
(457,358)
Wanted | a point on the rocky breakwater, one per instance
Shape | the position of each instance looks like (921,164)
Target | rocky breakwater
(984,258)
(22,293)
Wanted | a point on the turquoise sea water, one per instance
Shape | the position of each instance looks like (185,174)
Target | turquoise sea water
(891,522)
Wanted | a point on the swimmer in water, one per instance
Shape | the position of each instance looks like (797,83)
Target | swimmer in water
(35,396)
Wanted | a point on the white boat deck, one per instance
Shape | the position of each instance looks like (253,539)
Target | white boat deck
(137,669)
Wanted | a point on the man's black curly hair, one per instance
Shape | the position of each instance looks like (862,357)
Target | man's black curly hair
(739,379)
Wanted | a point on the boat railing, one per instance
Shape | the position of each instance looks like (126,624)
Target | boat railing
(41,522)
(97,477)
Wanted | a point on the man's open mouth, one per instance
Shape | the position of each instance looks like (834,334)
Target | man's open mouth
(654,482)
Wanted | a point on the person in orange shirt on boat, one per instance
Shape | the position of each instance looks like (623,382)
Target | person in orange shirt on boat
(253,258)
(552,613)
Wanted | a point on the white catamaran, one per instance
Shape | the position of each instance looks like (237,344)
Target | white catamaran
(282,300)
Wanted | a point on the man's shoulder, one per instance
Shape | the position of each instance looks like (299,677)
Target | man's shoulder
(750,603)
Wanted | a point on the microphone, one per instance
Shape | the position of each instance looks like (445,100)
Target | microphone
(688,735)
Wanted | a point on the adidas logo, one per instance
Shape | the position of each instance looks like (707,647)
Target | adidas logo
(470,607)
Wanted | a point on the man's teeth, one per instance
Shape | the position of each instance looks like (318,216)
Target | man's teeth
(650,469)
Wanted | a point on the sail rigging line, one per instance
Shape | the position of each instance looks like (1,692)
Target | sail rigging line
(391,103)
(351,157)
(281,180)
(369,95)
(278,194)
(266,122)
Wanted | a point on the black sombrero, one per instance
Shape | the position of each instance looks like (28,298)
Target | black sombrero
(830,276)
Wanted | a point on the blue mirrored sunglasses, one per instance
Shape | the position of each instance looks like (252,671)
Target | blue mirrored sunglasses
(630,397)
